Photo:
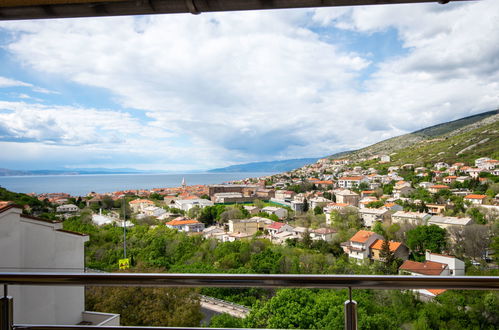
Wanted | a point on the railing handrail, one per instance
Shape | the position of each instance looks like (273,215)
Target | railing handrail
(253,280)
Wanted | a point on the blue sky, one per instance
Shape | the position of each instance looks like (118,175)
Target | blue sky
(184,92)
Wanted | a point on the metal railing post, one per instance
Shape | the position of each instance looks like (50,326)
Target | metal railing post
(350,312)
(6,311)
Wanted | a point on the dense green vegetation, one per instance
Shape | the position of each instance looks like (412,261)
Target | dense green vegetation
(31,204)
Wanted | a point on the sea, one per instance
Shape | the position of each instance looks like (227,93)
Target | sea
(81,185)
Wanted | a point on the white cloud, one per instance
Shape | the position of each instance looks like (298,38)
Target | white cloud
(260,85)
(6,82)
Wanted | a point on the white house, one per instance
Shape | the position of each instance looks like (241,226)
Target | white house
(414,218)
(351,181)
(30,244)
(384,158)
(154,211)
(370,215)
(318,201)
(347,196)
(138,205)
(278,227)
(187,204)
(186,225)
(212,231)
(446,222)
(324,234)
(427,268)
(441,165)
(456,266)
(401,189)
(284,194)
(279,211)
(67,208)
(475,199)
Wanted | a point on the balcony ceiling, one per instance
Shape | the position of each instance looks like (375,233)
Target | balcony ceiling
(36,9)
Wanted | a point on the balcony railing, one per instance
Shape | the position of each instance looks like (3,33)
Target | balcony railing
(230,281)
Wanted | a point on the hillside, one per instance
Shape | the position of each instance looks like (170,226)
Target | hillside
(444,130)
(271,166)
(24,200)
(453,147)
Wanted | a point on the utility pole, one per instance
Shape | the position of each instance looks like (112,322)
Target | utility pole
(124,227)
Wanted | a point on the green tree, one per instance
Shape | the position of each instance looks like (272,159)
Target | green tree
(107,202)
(156,196)
(305,205)
(147,306)
(423,238)
(375,204)
(318,210)
(476,215)
(225,321)
(266,262)
(259,203)
(378,228)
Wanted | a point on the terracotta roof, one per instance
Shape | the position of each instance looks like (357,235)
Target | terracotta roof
(474,196)
(338,204)
(137,201)
(181,222)
(324,231)
(436,292)
(276,225)
(351,178)
(4,204)
(361,236)
(190,197)
(423,268)
(440,186)
(378,244)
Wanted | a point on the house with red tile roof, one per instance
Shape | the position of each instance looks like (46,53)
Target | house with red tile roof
(437,187)
(427,268)
(475,199)
(278,227)
(357,247)
(138,205)
(186,225)
(449,179)
(400,250)
(324,234)
(455,265)
(429,294)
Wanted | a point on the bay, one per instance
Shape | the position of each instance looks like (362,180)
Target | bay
(81,185)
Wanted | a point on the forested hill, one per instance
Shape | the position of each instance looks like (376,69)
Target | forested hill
(32,203)
(453,147)
(471,124)
(272,166)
